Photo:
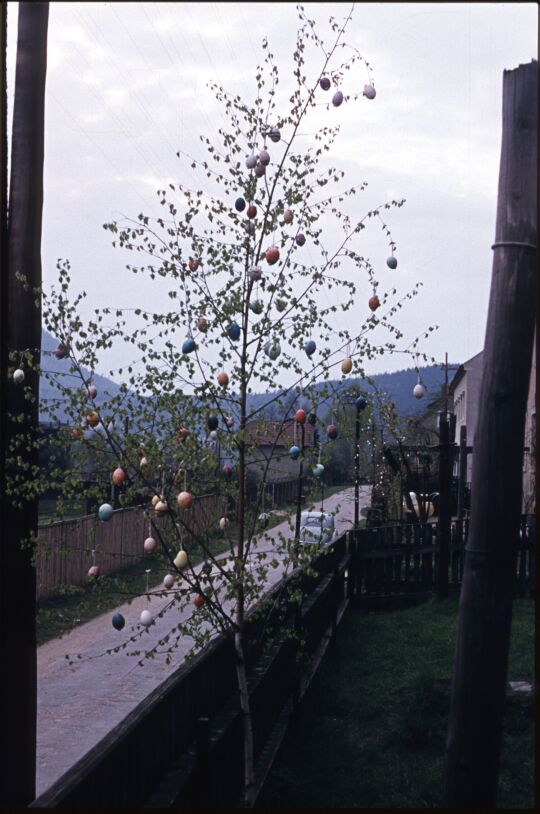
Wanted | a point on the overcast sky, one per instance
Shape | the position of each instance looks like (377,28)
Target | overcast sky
(127,88)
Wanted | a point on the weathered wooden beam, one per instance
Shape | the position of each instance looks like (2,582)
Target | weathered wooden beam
(21,332)
(480,668)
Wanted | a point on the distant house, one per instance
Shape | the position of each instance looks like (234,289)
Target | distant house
(270,443)
(464,394)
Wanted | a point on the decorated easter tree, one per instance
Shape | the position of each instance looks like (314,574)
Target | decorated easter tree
(269,289)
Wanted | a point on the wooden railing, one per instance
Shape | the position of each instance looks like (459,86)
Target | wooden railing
(182,745)
(64,549)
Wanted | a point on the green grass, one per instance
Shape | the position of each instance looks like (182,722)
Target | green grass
(373,727)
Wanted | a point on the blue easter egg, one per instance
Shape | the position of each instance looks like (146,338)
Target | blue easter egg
(212,422)
(105,511)
(118,621)
(360,403)
(189,346)
(312,419)
(239,204)
(234,331)
(310,347)
(294,452)
(318,470)
(391,262)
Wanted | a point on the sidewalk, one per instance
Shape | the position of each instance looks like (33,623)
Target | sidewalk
(79,704)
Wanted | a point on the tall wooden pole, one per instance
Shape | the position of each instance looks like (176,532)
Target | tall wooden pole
(21,331)
(480,668)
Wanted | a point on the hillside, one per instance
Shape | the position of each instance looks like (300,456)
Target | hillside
(396,387)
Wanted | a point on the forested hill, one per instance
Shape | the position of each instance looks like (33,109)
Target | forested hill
(396,387)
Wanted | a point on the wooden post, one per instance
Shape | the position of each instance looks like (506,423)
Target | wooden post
(443,525)
(480,668)
(21,331)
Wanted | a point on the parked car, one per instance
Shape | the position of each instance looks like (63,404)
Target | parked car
(316,528)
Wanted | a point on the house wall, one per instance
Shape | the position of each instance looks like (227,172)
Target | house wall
(529,456)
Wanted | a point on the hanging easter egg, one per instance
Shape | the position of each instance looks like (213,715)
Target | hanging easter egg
(272,255)
(212,422)
(257,306)
(300,239)
(419,390)
(391,262)
(105,511)
(227,471)
(251,211)
(346,365)
(202,324)
(77,433)
(194,263)
(223,379)
(92,419)
(260,170)
(161,506)
(332,431)
(318,470)
(149,545)
(145,467)
(264,158)
(360,403)
(337,98)
(91,391)
(62,350)
(369,92)
(223,523)
(198,601)
(213,435)
(255,273)
(324,82)
(229,421)
(118,476)
(264,519)
(189,346)
(155,500)
(274,350)
(312,419)
(310,347)
(168,581)
(118,621)
(234,331)
(274,135)
(181,559)
(239,204)
(288,216)
(146,618)
(249,227)
(184,500)
(281,305)
(300,416)
(251,161)
(294,452)
(182,434)
(94,571)
(18,376)
(373,302)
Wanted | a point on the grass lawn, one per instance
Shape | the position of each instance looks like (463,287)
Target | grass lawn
(372,730)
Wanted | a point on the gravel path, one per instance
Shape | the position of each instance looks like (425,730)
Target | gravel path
(79,704)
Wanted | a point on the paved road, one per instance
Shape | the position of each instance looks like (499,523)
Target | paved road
(79,704)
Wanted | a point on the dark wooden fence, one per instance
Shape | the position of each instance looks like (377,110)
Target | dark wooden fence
(400,561)
(64,550)
(182,745)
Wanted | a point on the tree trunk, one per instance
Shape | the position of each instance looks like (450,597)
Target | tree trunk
(21,333)
(480,669)
(249,762)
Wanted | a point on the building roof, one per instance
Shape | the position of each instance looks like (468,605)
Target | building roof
(276,433)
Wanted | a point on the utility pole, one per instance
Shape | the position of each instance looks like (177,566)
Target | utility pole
(480,669)
(20,326)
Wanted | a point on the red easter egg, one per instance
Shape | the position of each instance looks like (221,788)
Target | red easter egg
(93,419)
(251,211)
(118,476)
(182,434)
(185,499)
(198,601)
(227,470)
(194,263)
(272,255)
(300,416)
(288,216)
(94,571)
(332,431)
(374,302)
(223,379)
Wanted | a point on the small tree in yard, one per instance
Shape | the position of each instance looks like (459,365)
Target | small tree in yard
(246,258)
